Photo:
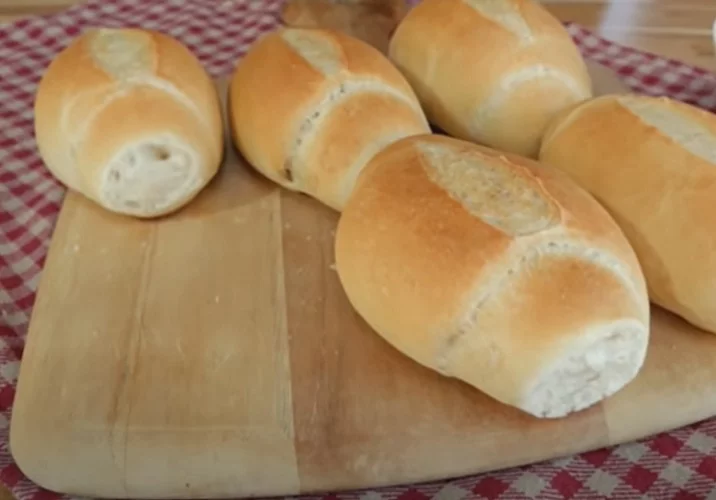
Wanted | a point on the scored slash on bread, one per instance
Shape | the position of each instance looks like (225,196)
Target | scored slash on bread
(495,270)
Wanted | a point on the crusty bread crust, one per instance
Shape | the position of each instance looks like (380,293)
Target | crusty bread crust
(492,72)
(309,107)
(130,119)
(652,163)
(492,269)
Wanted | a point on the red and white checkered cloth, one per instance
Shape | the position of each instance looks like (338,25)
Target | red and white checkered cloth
(676,465)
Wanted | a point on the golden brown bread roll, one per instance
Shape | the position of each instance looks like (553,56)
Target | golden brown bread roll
(309,107)
(652,163)
(490,71)
(495,270)
(130,119)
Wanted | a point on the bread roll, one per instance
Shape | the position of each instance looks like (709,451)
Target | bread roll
(309,107)
(130,119)
(494,270)
(652,163)
(490,71)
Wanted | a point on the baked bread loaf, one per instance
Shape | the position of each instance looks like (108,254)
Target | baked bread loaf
(490,71)
(309,107)
(495,270)
(652,163)
(130,119)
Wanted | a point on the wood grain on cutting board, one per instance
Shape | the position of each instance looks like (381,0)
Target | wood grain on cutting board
(214,354)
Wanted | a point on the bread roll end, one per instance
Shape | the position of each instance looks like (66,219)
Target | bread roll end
(594,367)
(152,176)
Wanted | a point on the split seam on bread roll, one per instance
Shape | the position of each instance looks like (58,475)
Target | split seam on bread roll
(696,139)
(511,83)
(342,91)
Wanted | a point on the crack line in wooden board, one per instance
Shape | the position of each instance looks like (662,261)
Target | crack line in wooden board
(139,329)
(285,335)
(119,429)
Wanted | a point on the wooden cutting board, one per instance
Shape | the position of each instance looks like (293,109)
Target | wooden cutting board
(214,354)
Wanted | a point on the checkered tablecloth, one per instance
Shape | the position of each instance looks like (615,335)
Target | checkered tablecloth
(677,465)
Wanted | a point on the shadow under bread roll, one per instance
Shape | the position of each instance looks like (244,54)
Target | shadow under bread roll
(652,163)
(130,119)
(490,71)
(495,270)
(309,107)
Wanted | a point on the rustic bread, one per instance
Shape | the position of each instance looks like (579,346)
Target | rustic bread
(309,107)
(652,163)
(490,71)
(130,119)
(492,269)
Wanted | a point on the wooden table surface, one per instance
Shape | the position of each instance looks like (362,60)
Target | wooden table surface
(680,29)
